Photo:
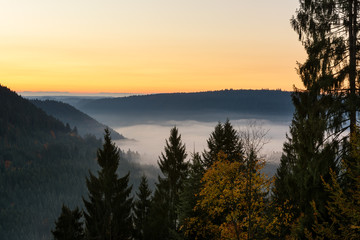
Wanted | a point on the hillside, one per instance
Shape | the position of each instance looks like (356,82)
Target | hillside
(201,106)
(75,118)
(43,164)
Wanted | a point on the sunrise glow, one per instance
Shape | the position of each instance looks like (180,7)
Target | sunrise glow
(148,46)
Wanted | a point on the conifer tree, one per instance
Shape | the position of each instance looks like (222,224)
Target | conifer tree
(329,31)
(192,185)
(108,210)
(164,223)
(343,204)
(307,157)
(69,225)
(226,139)
(141,209)
(189,196)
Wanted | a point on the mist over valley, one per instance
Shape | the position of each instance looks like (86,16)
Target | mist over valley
(145,120)
(149,139)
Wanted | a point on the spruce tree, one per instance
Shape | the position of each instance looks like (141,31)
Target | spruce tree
(69,225)
(108,208)
(308,156)
(329,31)
(141,209)
(164,210)
(226,139)
(189,196)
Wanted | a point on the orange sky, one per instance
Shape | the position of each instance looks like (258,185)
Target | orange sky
(148,46)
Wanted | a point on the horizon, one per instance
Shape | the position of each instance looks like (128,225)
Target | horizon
(123,94)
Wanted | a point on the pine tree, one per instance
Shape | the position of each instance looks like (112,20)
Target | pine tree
(164,223)
(108,210)
(142,208)
(226,139)
(68,226)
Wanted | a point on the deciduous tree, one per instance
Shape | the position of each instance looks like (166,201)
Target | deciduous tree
(225,193)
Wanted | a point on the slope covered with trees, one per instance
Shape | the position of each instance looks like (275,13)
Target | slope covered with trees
(43,165)
(75,118)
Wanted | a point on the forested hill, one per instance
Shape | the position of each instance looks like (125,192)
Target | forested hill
(202,106)
(18,115)
(43,164)
(68,114)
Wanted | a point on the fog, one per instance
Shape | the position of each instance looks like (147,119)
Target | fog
(149,139)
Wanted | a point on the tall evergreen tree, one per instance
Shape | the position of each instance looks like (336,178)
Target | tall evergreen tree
(307,157)
(141,209)
(329,31)
(226,139)
(69,225)
(189,196)
(108,210)
(343,205)
(164,211)
(192,186)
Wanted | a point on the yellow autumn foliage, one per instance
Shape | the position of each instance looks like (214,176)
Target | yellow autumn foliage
(234,200)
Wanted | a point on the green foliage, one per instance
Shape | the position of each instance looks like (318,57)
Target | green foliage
(329,33)
(192,186)
(108,210)
(141,209)
(69,225)
(190,195)
(343,205)
(307,157)
(164,210)
(223,139)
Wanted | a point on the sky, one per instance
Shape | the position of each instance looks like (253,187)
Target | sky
(148,46)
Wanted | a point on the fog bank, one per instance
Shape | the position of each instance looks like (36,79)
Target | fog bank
(149,139)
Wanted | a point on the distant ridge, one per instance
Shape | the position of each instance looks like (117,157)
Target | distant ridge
(201,106)
(68,114)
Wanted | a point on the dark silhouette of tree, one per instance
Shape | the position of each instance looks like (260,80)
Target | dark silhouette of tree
(69,225)
(142,208)
(189,196)
(192,185)
(343,204)
(329,33)
(307,157)
(108,210)
(164,222)
(226,139)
